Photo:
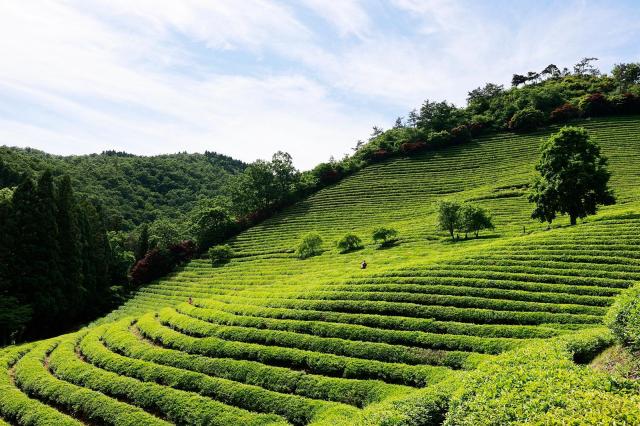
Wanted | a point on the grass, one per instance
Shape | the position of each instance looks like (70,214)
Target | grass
(271,339)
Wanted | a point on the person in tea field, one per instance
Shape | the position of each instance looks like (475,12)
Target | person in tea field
(363,265)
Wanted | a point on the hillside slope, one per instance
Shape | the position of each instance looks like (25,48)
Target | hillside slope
(271,339)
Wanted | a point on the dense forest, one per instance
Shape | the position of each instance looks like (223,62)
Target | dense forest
(132,189)
(55,259)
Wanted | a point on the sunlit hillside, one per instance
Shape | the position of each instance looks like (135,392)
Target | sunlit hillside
(271,339)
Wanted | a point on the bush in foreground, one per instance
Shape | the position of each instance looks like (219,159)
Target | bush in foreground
(540,384)
(623,318)
(220,255)
(349,242)
(311,245)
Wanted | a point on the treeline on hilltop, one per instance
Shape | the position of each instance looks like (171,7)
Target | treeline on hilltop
(132,189)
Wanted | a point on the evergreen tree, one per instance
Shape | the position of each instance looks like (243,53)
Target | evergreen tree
(70,248)
(143,243)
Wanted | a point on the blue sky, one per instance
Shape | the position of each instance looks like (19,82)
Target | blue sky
(248,78)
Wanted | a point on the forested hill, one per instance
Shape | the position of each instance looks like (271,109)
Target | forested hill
(133,189)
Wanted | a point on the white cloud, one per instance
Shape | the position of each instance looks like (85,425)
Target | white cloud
(97,90)
(349,17)
(151,76)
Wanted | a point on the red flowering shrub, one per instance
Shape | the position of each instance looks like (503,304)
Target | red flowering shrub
(379,155)
(565,112)
(159,262)
(412,147)
(595,105)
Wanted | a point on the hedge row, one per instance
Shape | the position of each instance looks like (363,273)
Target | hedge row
(296,409)
(541,385)
(319,363)
(499,289)
(280,379)
(357,332)
(462,289)
(384,321)
(17,407)
(336,346)
(176,405)
(446,313)
(33,378)
(512,276)
(436,300)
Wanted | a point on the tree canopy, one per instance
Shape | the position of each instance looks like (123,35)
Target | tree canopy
(573,177)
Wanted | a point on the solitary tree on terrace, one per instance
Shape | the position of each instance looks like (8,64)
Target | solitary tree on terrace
(573,177)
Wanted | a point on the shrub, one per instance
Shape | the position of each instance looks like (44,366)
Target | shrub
(623,318)
(412,147)
(349,242)
(439,139)
(385,236)
(460,134)
(220,255)
(311,245)
(564,113)
(595,105)
(159,262)
(379,155)
(153,265)
(526,119)
(479,123)
(626,103)
(540,384)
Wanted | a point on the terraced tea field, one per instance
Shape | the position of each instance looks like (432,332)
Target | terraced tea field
(270,339)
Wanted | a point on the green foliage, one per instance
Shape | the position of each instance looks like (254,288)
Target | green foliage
(448,216)
(623,318)
(540,384)
(133,189)
(33,378)
(263,185)
(573,177)
(349,242)
(55,258)
(385,236)
(439,116)
(16,406)
(280,379)
(211,225)
(626,75)
(310,245)
(220,255)
(142,245)
(164,233)
(313,362)
(473,219)
(526,119)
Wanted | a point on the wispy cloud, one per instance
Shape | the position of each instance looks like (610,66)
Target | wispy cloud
(252,77)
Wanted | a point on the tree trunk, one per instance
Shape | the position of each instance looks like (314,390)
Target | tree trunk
(573,219)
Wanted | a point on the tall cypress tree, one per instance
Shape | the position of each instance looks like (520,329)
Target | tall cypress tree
(70,262)
(143,243)
(14,313)
(50,304)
